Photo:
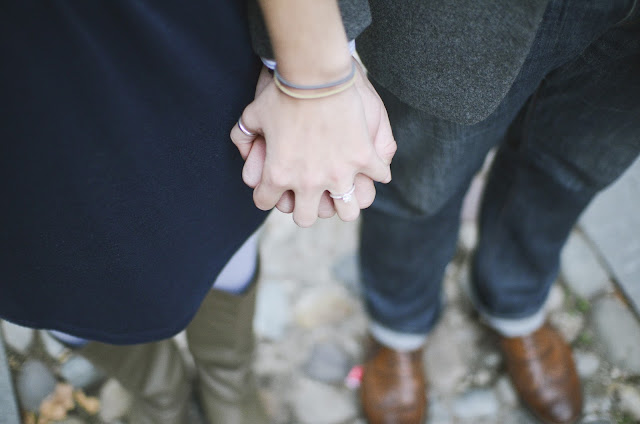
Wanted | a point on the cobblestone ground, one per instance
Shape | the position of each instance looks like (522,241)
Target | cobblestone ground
(311,327)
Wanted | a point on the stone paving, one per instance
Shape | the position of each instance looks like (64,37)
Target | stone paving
(618,240)
(311,326)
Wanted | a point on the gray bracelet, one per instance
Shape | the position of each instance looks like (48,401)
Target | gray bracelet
(319,86)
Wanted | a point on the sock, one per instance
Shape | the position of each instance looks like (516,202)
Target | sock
(68,340)
(402,342)
(239,272)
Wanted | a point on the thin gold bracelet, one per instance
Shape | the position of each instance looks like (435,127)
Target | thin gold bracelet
(321,95)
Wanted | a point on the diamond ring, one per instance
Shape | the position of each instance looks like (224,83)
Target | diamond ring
(346,197)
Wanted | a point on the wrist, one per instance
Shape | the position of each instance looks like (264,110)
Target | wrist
(308,38)
(271,63)
(316,70)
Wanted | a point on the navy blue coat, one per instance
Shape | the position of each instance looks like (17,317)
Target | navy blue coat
(121,191)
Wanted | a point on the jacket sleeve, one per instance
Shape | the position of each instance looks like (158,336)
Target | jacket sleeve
(356,16)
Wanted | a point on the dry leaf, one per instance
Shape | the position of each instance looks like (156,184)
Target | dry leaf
(50,410)
(64,395)
(55,406)
(88,403)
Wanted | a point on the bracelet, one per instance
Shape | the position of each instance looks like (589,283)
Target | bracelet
(321,95)
(341,81)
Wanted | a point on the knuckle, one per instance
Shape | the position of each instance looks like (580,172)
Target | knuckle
(311,182)
(365,159)
(341,180)
(393,148)
(276,178)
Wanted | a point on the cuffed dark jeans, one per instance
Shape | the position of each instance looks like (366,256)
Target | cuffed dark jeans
(569,126)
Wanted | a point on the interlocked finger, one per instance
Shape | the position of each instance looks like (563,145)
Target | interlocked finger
(365,191)
(346,204)
(243,134)
(305,212)
(286,203)
(326,208)
(266,195)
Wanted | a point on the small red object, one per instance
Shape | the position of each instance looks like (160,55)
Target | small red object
(354,378)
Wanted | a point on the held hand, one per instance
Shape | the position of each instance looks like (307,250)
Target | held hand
(309,159)
(252,174)
(243,137)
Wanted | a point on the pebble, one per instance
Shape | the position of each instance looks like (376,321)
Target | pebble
(323,305)
(17,337)
(80,373)
(517,416)
(115,401)
(54,348)
(615,373)
(468,237)
(327,363)
(275,406)
(476,403)
(438,412)
(597,404)
(492,359)
(629,400)
(273,313)
(555,300)
(72,420)
(471,202)
(35,382)
(619,332)
(481,378)
(569,324)
(505,391)
(347,271)
(581,269)
(587,363)
(444,363)
(317,403)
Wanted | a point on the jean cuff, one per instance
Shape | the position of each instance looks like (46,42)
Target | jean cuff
(402,342)
(507,327)
(515,327)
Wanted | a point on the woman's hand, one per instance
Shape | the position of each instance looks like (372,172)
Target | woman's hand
(312,147)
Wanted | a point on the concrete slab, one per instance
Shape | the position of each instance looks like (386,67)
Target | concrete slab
(612,223)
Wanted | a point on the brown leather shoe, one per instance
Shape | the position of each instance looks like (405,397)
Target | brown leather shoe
(543,373)
(393,389)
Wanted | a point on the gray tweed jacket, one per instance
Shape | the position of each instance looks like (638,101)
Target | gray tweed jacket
(455,59)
